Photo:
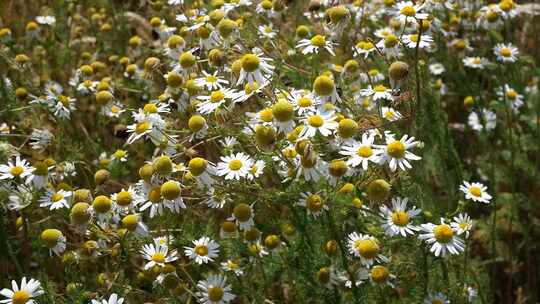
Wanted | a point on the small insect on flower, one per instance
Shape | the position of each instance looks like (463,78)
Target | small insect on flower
(204,251)
(157,255)
(25,294)
(214,290)
(442,238)
(113,299)
(475,191)
(398,219)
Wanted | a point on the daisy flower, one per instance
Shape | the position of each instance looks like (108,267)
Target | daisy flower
(462,223)
(204,251)
(511,96)
(157,255)
(267,31)
(119,155)
(398,219)
(113,299)
(214,290)
(413,41)
(232,266)
(396,153)
(211,81)
(475,191)
(255,68)
(323,123)
(483,120)
(377,92)
(436,68)
(133,223)
(310,46)
(303,101)
(113,109)
(40,139)
(475,62)
(256,170)
(366,248)
(202,170)
(381,275)
(216,98)
(54,240)
(361,153)
(234,166)
(23,295)
(390,114)
(243,215)
(442,238)
(408,11)
(48,20)
(506,52)
(55,199)
(436,298)
(324,89)
(364,48)
(313,203)
(328,277)
(150,197)
(19,168)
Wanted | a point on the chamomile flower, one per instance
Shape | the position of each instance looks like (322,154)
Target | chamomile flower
(119,155)
(436,68)
(40,139)
(328,277)
(134,223)
(390,114)
(55,199)
(303,101)
(408,11)
(436,298)
(157,255)
(484,119)
(113,299)
(361,153)
(202,170)
(364,48)
(442,238)
(24,295)
(365,247)
(54,240)
(314,203)
(506,52)
(170,192)
(396,153)
(323,123)
(216,99)
(61,105)
(475,191)
(462,223)
(113,109)
(267,31)
(232,266)
(214,290)
(511,96)
(256,170)
(413,41)
(243,215)
(475,62)
(380,274)
(204,251)
(255,68)
(150,198)
(378,92)
(234,166)
(18,168)
(313,45)
(47,20)
(324,90)
(398,219)
(211,81)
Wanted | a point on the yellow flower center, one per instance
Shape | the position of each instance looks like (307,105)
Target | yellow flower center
(379,274)
(400,218)
(505,52)
(316,121)
(150,108)
(248,88)
(211,78)
(64,100)
(123,198)
(389,115)
(56,197)
(115,109)
(304,102)
(437,301)
(379,88)
(142,127)
(476,191)
(201,250)
(396,149)
(253,169)
(267,29)
(20,297)
(408,11)
(215,294)
(235,165)
(511,94)
(477,60)
(250,62)
(368,249)
(16,171)
(119,153)
(216,96)
(364,151)
(318,40)
(197,166)
(443,233)
(158,257)
(154,195)
(314,203)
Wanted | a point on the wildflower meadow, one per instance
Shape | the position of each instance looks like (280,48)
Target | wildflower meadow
(269,151)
